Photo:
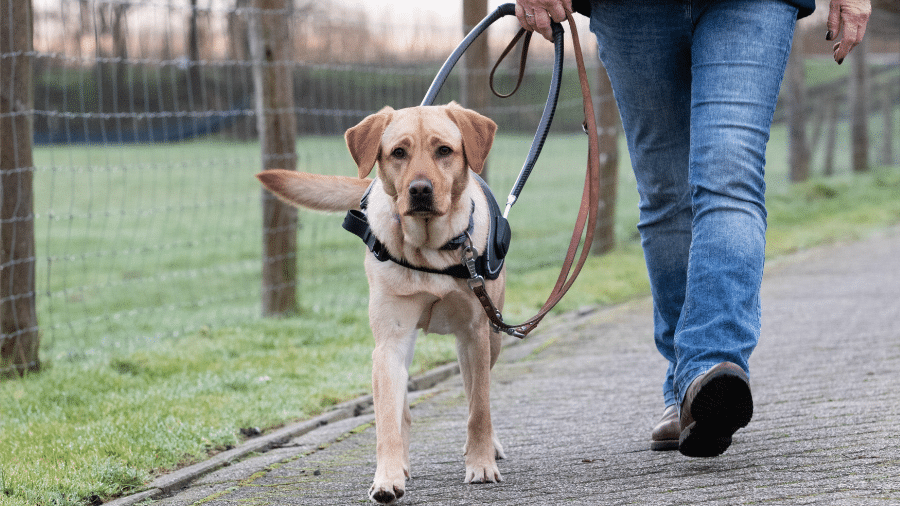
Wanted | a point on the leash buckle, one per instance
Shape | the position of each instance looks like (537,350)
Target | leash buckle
(469,254)
(515,333)
(475,282)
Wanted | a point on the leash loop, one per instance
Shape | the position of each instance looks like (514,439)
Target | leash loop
(522,60)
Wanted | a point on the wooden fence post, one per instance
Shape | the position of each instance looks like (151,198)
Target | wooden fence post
(270,48)
(474,76)
(859,107)
(18,319)
(798,148)
(608,124)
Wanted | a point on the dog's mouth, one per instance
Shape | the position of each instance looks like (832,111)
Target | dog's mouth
(421,206)
(420,202)
(422,211)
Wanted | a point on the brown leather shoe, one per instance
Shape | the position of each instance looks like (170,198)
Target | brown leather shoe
(715,406)
(665,435)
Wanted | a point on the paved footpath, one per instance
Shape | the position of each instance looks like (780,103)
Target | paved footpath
(574,404)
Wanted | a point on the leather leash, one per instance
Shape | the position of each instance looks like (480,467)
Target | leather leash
(587,212)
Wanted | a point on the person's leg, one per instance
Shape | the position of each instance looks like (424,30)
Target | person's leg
(739,53)
(645,48)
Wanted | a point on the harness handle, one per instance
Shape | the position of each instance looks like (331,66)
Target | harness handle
(438,82)
(552,95)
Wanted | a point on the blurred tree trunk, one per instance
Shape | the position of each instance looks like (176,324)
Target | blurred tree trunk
(608,126)
(18,320)
(887,122)
(120,44)
(475,62)
(239,45)
(832,102)
(859,108)
(240,76)
(798,147)
(193,54)
(120,87)
(274,86)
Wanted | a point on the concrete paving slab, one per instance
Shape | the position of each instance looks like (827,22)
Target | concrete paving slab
(574,405)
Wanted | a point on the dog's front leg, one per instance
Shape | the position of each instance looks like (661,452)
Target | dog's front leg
(395,335)
(482,447)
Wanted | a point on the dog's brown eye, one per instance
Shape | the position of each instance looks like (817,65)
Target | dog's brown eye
(444,150)
(398,153)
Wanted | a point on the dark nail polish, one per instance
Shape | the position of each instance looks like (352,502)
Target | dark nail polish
(840,61)
(829,35)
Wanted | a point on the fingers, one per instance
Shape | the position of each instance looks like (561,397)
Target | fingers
(851,18)
(541,21)
(535,20)
(834,20)
(536,15)
(557,10)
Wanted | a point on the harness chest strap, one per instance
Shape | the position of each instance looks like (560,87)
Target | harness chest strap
(487,265)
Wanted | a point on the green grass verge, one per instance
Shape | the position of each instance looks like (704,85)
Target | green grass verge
(103,422)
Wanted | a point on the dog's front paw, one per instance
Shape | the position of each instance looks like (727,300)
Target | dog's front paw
(387,491)
(484,473)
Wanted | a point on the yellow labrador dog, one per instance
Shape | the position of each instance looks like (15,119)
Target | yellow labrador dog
(424,201)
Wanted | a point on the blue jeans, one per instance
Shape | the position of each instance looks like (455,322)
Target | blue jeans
(696,83)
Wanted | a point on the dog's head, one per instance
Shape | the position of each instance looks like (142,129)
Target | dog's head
(423,153)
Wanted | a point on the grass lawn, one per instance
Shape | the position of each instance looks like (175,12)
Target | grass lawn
(123,255)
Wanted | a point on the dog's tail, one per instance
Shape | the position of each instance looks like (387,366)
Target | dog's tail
(315,191)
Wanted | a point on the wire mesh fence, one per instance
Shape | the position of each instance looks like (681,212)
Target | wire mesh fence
(147,217)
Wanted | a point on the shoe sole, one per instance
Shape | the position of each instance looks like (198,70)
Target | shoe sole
(665,445)
(721,407)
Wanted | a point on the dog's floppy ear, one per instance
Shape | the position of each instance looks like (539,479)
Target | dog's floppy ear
(477,133)
(364,140)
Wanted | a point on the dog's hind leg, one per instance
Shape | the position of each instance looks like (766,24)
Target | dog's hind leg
(482,447)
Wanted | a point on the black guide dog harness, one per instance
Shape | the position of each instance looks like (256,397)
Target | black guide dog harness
(488,264)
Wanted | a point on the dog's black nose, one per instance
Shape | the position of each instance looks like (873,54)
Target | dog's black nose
(420,188)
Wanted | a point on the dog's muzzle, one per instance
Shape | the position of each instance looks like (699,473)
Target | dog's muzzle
(421,196)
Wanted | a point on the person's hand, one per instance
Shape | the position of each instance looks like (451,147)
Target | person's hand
(535,15)
(851,17)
